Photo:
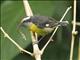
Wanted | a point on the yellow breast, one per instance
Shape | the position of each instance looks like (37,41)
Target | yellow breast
(38,30)
(33,27)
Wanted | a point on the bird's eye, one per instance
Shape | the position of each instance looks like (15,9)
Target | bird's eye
(47,25)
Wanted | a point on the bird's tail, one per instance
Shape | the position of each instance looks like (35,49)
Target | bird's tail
(63,23)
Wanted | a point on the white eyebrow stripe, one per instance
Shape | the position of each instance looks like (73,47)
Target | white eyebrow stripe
(26,18)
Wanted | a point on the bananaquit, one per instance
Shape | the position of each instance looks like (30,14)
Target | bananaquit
(42,25)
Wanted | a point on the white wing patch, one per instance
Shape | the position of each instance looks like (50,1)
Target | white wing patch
(47,25)
(48,29)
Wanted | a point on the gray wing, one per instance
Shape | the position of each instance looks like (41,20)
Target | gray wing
(41,21)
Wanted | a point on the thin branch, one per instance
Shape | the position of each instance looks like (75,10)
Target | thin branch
(79,50)
(77,23)
(36,36)
(27,8)
(36,50)
(55,30)
(73,31)
(19,47)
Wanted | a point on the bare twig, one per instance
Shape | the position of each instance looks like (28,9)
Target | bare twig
(79,50)
(27,8)
(18,46)
(77,23)
(55,30)
(73,31)
(36,50)
(36,36)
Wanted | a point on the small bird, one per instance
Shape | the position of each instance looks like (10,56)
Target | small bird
(42,25)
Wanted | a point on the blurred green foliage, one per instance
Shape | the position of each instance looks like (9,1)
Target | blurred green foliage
(11,14)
